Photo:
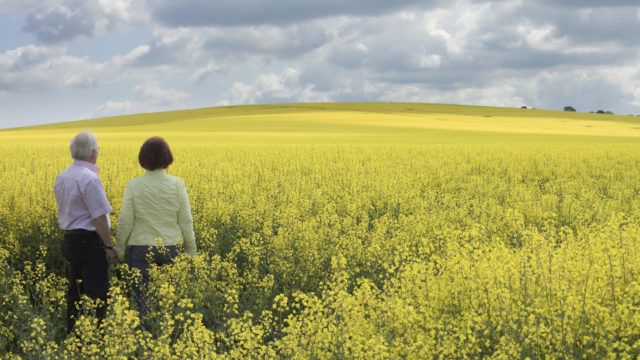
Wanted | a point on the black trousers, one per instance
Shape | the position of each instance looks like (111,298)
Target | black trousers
(141,257)
(88,272)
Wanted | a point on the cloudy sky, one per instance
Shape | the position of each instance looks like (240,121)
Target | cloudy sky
(75,59)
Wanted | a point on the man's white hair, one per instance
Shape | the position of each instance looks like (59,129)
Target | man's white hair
(82,145)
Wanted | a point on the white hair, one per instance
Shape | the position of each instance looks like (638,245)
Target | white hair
(82,145)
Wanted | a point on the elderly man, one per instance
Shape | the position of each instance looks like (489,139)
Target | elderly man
(83,214)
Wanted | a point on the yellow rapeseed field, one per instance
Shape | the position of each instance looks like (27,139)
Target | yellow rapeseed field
(348,230)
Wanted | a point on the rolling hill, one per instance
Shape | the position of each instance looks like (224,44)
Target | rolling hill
(353,122)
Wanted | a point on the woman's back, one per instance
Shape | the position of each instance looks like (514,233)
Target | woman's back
(156,211)
(156,207)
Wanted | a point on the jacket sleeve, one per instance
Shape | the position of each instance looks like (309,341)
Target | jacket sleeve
(185,220)
(125,222)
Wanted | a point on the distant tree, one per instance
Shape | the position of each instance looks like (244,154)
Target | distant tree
(523,107)
(569,108)
(609,112)
(600,112)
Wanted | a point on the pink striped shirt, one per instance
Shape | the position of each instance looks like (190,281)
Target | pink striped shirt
(80,196)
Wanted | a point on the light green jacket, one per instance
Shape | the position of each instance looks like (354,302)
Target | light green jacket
(155,211)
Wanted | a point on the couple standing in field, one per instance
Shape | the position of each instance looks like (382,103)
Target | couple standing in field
(155,218)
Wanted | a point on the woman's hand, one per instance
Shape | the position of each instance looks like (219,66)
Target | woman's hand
(112,255)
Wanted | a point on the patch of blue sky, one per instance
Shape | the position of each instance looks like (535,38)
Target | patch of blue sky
(11,34)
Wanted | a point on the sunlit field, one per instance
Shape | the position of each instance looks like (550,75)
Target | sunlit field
(348,230)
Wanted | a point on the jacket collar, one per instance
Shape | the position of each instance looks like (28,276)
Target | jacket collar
(86,165)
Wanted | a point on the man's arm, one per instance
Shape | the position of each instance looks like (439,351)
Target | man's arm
(101,224)
(96,200)
(102,228)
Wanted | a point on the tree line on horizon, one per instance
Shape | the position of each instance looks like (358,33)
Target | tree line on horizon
(569,108)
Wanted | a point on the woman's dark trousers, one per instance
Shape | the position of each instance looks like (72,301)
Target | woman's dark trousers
(141,257)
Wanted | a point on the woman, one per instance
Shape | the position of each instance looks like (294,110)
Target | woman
(155,216)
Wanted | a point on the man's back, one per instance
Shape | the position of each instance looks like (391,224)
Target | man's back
(80,196)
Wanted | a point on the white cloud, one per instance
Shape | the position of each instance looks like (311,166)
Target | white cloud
(125,11)
(271,88)
(212,68)
(156,94)
(148,96)
(541,37)
(112,108)
(431,61)
(174,48)
(39,68)
(458,24)
(130,57)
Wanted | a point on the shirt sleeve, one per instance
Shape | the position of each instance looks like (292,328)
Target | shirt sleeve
(95,198)
(185,220)
(125,222)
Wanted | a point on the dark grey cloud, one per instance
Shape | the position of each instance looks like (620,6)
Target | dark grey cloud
(230,46)
(257,12)
(59,23)
(536,55)
(422,57)
(590,3)
(515,40)
(590,25)
(283,42)
(17,6)
(65,20)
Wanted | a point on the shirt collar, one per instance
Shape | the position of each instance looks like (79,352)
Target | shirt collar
(157,172)
(86,164)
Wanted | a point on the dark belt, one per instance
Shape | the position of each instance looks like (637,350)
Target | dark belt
(82,237)
(80,232)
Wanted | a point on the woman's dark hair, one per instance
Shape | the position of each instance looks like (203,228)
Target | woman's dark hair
(155,154)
